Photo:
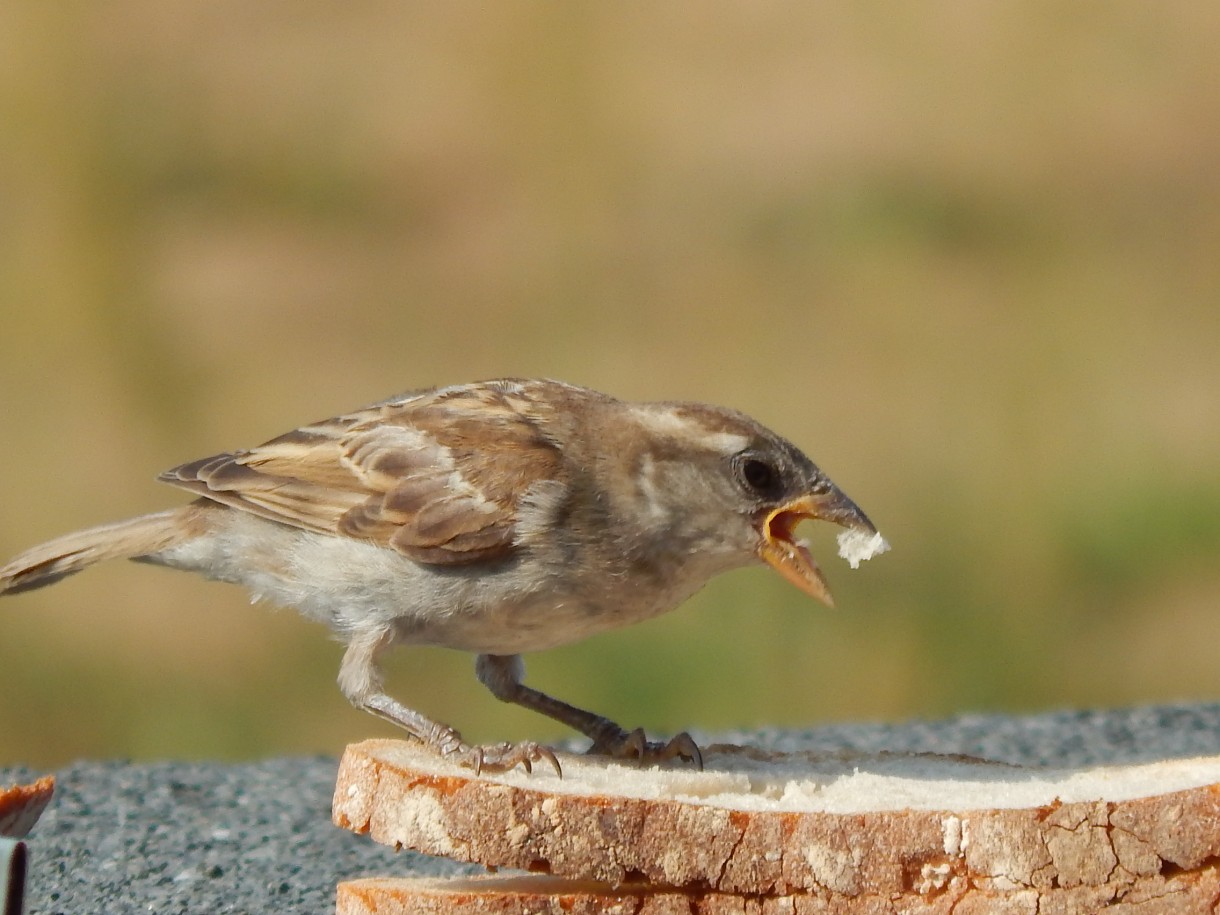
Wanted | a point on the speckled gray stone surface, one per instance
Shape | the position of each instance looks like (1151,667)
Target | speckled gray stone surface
(255,838)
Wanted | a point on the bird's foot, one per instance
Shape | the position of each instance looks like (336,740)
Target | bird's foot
(503,757)
(447,742)
(634,745)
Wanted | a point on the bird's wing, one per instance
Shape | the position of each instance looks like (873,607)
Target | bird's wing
(437,476)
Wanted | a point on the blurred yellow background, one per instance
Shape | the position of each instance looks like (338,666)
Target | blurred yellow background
(966,255)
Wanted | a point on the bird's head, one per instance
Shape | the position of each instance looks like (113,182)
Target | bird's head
(716,483)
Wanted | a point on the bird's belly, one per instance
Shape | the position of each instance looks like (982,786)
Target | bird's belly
(356,587)
(513,627)
(518,606)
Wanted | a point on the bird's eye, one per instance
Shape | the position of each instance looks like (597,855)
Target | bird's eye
(758,475)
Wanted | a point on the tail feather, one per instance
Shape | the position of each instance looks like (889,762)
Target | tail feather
(49,562)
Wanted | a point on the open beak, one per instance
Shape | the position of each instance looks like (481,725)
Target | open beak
(789,556)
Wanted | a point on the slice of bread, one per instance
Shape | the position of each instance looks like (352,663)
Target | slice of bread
(1181,894)
(22,805)
(803,824)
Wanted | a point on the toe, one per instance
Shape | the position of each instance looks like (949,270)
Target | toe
(684,746)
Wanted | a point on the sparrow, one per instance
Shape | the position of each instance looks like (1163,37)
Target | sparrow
(498,517)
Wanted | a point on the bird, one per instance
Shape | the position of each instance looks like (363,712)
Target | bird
(498,517)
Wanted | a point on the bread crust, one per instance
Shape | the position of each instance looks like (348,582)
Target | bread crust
(22,805)
(1102,848)
(1182,894)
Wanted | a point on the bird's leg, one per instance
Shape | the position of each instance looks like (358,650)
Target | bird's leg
(360,681)
(502,674)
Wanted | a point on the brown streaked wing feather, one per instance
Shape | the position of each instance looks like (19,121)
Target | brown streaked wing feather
(437,477)
(295,479)
(227,479)
(450,473)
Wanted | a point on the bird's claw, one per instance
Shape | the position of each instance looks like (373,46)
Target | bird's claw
(634,745)
(503,757)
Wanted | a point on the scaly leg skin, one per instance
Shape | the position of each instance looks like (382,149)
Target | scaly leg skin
(360,681)
(502,674)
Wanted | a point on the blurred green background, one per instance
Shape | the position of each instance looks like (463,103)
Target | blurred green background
(966,255)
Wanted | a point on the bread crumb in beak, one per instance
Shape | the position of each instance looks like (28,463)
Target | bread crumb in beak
(856,546)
